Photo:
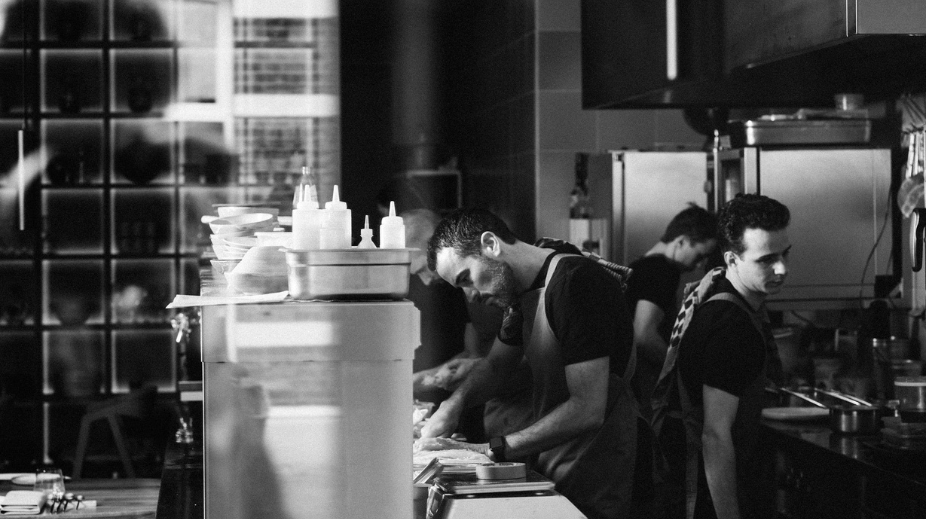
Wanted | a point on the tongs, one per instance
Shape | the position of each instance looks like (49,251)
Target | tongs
(802,396)
(854,400)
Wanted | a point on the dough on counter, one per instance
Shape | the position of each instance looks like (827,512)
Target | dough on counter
(451,457)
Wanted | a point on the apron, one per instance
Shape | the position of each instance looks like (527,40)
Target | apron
(594,470)
(744,429)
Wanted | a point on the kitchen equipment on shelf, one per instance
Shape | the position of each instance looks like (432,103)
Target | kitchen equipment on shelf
(911,391)
(348,273)
(788,130)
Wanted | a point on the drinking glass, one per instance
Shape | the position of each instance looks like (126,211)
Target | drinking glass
(50,481)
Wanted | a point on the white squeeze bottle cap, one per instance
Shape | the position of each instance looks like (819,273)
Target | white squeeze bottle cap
(335,233)
(392,230)
(366,235)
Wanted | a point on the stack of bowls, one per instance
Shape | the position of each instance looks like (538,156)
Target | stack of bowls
(233,236)
(262,270)
(226,210)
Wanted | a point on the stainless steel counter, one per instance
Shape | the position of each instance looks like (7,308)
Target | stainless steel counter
(308,408)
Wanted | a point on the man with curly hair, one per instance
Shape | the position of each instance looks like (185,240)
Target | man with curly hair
(726,357)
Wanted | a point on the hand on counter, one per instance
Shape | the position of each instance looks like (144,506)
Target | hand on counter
(448,444)
(442,423)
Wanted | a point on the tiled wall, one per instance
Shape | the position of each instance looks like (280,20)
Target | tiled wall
(510,103)
(563,128)
(493,96)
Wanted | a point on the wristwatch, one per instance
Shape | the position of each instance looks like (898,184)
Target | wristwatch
(498,445)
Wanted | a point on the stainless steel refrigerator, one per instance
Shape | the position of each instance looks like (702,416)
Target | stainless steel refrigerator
(640,191)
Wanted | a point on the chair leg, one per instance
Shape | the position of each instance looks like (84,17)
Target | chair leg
(115,426)
(81,447)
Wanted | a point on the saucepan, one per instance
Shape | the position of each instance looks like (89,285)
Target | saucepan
(853,416)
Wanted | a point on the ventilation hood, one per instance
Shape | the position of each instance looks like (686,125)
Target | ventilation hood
(797,53)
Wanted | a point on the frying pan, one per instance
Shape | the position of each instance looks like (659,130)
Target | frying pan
(855,416)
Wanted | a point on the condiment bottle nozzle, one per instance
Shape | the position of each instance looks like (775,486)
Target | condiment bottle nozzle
(366,235)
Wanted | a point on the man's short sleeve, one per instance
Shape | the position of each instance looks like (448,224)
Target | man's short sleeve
(726,351)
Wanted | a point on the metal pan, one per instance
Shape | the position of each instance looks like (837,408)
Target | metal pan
(846,419)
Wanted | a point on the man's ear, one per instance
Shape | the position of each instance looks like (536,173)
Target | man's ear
(729,258)
(490,244)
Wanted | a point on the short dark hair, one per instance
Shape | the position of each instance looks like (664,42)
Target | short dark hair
(750,211)
(462,231)
(697,223)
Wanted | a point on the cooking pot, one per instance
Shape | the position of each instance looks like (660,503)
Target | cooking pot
(854,416)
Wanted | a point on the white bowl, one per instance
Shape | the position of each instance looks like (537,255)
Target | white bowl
(235,210)
(243,222)
(262,270)
(266,260)
(278,238)
(239,243)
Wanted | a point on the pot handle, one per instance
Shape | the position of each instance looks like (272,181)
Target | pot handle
(802,396)
(845,398)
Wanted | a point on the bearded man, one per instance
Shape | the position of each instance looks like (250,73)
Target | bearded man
(567,315)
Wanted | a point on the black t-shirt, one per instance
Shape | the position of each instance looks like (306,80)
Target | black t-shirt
(587,311)
(655,279)
(721,348)
(443,321)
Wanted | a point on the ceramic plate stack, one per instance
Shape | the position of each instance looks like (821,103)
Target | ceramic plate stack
(233,236)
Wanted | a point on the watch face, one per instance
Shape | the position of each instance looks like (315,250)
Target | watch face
(496,442)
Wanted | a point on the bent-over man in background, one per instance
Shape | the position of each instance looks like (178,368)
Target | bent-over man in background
(689,238)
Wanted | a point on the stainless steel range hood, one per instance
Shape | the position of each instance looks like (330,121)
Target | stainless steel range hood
(768,53)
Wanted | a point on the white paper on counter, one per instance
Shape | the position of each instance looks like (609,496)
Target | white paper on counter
(181,301)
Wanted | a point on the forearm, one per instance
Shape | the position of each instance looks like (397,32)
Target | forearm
(720,469)
(480,384)
(563,423)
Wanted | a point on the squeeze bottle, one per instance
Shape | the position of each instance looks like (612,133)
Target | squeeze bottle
(335,232)
(392,230)
(307,221)
(366,235)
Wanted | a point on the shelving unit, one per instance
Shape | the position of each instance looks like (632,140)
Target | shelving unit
(141,115)
(110,240)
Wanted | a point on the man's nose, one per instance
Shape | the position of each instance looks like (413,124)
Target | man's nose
(781,267)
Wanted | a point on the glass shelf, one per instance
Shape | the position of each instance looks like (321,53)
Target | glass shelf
(142,288)
(66,233)
(141,80)
(143,357)
(19,371)
(73,152)
(142,152)
(74,21)
(143,221)
(72,81)
(18,305)
(72,292)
